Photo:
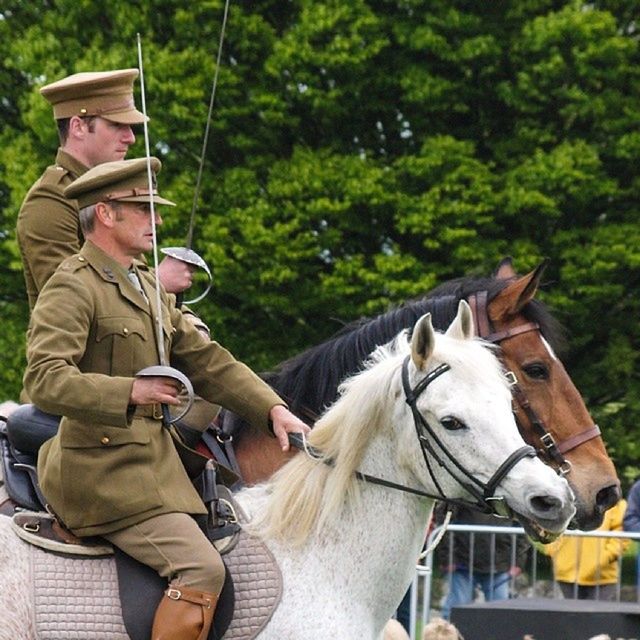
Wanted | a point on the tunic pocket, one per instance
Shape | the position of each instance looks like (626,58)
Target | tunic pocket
(118,340)
(107,473)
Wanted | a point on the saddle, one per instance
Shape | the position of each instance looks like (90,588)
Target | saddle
(140,588)
(28,428)
(21,437)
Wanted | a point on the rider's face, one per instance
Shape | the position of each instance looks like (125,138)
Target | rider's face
(106,141)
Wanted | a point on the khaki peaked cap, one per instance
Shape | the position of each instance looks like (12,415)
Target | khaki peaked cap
(119,181)
(107,94)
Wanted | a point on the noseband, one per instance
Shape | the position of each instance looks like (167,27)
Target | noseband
(551,450)
(482,492)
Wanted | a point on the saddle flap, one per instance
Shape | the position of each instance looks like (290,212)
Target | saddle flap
(44,531)
(141,589)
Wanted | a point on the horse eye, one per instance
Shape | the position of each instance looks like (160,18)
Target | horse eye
(452,424)
(537,371)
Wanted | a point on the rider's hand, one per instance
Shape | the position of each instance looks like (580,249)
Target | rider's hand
(175,275)
(152,389)
(284,422)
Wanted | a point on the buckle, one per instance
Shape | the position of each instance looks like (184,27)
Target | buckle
(174,594)
(157,411)
(564,468)
(512,380)
(547,440)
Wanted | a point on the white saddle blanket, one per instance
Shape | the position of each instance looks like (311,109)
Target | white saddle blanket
(77,598)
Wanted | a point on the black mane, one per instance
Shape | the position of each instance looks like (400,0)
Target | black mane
(309,380)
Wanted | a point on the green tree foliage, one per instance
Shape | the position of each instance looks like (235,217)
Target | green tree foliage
(362,152)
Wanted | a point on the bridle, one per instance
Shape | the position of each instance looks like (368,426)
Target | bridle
(484,493)
(550,450)
(432,445)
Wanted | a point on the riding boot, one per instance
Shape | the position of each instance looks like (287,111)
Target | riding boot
(184,614)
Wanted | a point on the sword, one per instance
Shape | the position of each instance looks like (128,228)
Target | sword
(163,369)
(186,253)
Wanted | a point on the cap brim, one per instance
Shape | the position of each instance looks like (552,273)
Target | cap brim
(156,200)
(131,116)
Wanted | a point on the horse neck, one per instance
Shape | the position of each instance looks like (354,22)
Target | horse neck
(377,548)
(381,534)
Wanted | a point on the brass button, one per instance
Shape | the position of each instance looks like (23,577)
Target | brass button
(125,331)
(81,258)
(105,440)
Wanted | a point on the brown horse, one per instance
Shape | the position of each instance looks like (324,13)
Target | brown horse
(550,412)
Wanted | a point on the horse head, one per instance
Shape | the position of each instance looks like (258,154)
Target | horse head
(550,411)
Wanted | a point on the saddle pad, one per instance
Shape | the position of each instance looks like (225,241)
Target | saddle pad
(77,598)
(258,587)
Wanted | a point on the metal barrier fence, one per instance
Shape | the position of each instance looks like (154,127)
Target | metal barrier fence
(536,580)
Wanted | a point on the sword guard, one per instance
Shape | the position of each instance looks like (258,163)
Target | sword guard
(190,257)
(169,372)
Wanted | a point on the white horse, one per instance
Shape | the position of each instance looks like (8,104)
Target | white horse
(347,546)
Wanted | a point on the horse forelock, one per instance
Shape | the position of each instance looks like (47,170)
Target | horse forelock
(469,357)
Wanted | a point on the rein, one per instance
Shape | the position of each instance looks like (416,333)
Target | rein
(551,449)
(483,493)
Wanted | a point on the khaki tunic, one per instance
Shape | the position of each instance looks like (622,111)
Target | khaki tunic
(91,332)
(48,229)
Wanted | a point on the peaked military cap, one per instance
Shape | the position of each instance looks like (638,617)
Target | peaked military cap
(108,94)
(119,181)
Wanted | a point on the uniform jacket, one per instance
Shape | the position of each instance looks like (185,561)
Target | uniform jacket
(590,561)
(48,229)
(91,331)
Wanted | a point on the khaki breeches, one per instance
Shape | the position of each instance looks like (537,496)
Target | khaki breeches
(174,545)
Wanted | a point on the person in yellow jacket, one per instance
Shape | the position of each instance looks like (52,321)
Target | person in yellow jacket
(587,568)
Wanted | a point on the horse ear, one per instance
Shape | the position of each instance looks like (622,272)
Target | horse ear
(505,269)
(462,326)
(422,341)
(516,294)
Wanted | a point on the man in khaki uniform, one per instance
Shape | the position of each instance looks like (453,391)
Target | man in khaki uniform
(112,469)
(94,113)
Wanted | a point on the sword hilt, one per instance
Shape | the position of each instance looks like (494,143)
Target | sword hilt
(190,257)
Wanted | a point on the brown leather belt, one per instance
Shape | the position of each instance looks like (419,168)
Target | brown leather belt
(148,411)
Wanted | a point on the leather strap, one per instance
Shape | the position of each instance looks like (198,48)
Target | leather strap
(580,438)
(510,333)
(478,303)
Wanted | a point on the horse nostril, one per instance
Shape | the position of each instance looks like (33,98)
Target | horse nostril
(607,497)
(545,504)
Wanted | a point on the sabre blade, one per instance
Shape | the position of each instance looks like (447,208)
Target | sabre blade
(159,340)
